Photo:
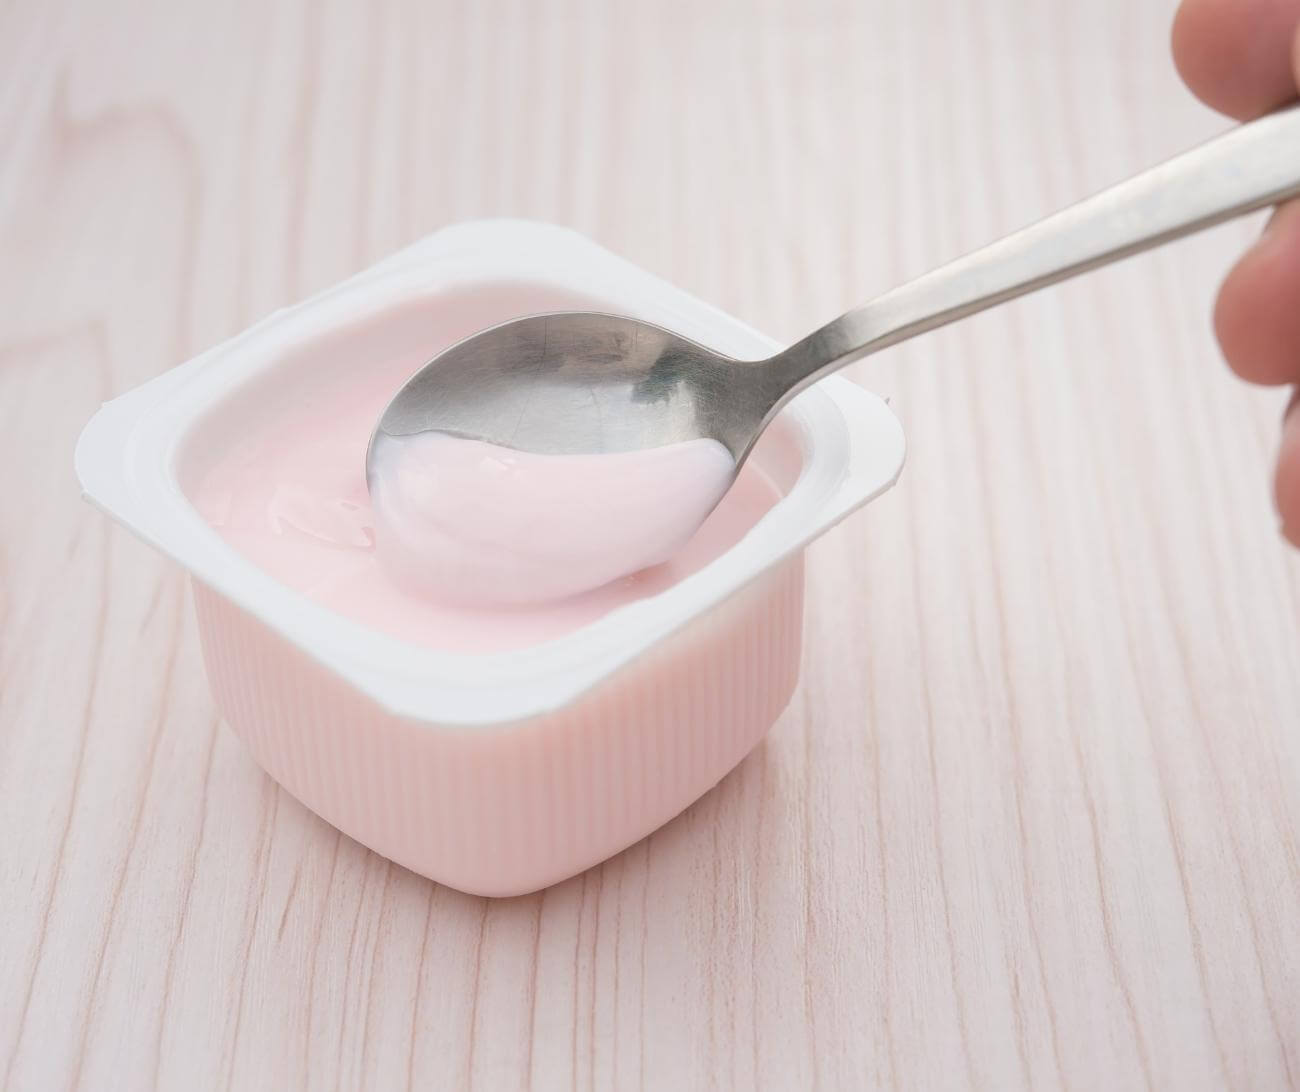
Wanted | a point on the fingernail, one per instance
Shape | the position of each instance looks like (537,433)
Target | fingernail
(1273,223)
(1280,213)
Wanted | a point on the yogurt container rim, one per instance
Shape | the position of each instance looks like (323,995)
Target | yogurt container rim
(851,444)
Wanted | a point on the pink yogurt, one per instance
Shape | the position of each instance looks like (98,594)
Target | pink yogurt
(288,491)
(473,523)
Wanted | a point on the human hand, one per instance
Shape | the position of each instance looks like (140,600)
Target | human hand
(1242,57)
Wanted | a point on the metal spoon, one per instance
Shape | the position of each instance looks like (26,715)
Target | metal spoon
(589,383)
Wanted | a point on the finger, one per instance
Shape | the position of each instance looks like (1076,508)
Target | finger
(1235,55)
(1257,314)
(1287,482)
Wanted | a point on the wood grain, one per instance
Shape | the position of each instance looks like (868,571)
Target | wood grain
(1032,818)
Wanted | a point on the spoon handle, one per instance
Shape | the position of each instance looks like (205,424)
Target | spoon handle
(1245,169)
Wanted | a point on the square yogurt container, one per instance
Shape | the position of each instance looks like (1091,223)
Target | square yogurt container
(504,772)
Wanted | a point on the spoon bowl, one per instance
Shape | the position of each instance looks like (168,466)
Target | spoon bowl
(578,382)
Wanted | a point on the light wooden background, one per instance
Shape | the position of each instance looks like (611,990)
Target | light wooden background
(1033,818)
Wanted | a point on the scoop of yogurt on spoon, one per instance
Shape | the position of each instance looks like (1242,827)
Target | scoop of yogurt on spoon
(466,521)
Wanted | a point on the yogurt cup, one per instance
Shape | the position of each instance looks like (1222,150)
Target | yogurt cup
(496,773)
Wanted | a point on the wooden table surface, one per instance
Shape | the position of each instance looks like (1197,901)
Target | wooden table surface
(1033,816)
